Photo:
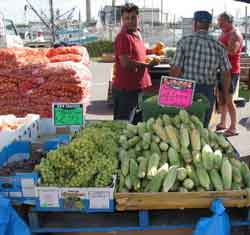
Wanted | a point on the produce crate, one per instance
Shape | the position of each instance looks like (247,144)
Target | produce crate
(20,187)
(179,200)
(29,130)
(150,107)
(88,200)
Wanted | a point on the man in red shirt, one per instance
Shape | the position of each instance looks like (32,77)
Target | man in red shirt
(232,39)
(131,70)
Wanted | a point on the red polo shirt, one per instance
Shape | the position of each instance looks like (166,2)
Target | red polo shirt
(233,58)
(129,44)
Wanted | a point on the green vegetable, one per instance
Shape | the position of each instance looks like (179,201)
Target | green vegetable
(207,157)
(163,146)
(153,163)
(170,178)
(125,166)
(184,137)
(142,168)
(181,173)
(173,156)
(226,173)
(203,177)
(188,184)
(216,180)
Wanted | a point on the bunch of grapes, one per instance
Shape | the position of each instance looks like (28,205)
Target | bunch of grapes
(89,160)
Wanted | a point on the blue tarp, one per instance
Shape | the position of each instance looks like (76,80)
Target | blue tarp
(218,224)
(10,222)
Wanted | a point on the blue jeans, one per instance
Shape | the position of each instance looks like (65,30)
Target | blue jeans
(208,91)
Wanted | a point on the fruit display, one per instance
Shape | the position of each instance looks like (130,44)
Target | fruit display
(153,58)
(89,160)
(159,48)
(178,154)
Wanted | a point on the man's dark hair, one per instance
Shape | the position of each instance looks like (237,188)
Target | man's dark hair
(227,17)
(129,7)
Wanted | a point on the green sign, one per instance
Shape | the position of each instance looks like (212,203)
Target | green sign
(68,114)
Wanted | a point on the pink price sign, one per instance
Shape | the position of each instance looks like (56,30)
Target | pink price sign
(176,92)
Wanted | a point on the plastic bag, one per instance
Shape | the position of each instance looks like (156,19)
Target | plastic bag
(10,222)
(218,224)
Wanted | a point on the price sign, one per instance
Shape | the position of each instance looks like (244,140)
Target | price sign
(176,92)
(49,197)
(68,114)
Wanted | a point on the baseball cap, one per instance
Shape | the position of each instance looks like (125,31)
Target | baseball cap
(202,16)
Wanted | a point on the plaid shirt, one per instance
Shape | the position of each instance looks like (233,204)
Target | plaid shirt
(199,56)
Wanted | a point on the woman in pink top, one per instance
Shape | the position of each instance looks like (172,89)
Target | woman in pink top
(232,39)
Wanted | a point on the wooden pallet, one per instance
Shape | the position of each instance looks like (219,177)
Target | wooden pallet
(179,200)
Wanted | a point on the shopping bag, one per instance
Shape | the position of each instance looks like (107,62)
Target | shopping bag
(218,224)
(10,222)
(4,215)
(16,225)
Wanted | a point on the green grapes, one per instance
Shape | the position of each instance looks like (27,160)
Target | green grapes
(89,160)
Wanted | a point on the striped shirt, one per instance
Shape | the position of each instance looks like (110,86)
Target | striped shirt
(199,56)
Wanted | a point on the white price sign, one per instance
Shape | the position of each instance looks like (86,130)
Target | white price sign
(98,200)
(49,198)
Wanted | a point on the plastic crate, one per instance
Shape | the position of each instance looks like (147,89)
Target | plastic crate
(150,107)
(19,187)
(54,143)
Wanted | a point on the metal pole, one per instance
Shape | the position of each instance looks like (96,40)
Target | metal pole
(174,32)
(212,25)
(246,25)
(88,11)
(152,14)
(52,21)
(161,11)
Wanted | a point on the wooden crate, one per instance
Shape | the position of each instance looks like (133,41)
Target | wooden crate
(179,200)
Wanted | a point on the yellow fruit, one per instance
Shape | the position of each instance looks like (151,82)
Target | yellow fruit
(159,45)
(148,59)
(157,59)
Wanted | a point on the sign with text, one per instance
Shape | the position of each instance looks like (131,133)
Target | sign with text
(68,114)
(176,92)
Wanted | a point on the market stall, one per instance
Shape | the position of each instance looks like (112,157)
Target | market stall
(115,176)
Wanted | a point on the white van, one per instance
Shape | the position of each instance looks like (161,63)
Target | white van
(8,34)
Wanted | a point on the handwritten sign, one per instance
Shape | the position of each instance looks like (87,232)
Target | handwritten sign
(68,114)
(176,92)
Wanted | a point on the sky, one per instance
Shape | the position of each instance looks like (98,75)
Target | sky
(14,9)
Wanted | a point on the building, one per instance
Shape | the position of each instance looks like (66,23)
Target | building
(150,16)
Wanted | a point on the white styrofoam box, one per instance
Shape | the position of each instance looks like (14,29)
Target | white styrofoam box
(27,129)
(6,137)
(30,130)
(46,126)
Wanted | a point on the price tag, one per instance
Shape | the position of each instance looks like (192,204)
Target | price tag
(49,198)
(176,92)
(28,187)
(98,200)
(68,114)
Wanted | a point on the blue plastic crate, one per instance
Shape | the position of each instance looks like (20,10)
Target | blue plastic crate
(54,143)
(19,185)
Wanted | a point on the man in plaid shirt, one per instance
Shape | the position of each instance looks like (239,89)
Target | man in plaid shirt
(198,57)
